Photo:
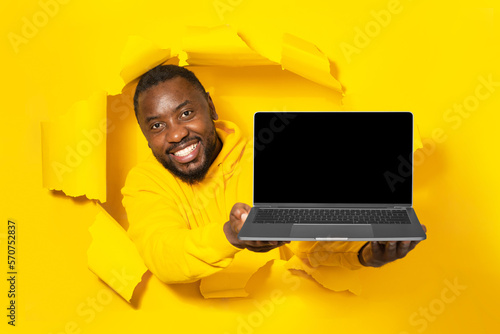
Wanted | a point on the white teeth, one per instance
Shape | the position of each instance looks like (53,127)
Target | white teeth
(186,151)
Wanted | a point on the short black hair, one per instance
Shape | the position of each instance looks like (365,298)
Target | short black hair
(162,73)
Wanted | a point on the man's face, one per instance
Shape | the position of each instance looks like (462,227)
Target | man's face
(177,121)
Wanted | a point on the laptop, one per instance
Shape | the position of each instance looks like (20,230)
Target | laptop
(332,176)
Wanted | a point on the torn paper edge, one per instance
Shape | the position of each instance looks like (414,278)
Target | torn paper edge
(295,263)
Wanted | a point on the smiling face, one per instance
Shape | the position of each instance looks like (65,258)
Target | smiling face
(177,120)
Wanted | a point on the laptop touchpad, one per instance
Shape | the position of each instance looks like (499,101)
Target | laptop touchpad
(331,231)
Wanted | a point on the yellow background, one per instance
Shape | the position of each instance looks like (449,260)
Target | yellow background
(428,57)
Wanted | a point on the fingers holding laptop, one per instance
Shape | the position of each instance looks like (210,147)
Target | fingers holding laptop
(377,254)
(237,217)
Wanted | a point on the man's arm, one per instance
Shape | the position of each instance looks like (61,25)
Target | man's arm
(174,249)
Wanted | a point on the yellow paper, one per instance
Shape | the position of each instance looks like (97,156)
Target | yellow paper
(332,278)
(439,60)
(74,149)
(231,281)
(306,60)
(417,140)
(225,46)
(219,46)
(139,56)
(113,256)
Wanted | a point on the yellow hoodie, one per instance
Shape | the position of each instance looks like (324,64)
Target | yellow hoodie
(178,228)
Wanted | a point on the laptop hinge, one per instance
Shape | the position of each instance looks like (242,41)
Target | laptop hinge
(399,207)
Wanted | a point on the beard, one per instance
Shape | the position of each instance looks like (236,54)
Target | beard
(207,156)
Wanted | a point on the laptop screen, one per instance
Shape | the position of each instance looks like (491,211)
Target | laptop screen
(333,157)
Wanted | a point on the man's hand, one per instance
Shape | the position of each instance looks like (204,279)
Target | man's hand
(237,217)
(376,254)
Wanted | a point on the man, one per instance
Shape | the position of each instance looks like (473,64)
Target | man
(186,204)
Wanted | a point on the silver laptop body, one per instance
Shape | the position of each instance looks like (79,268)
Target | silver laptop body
(333,176)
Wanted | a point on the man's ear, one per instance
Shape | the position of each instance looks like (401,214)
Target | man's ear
(211,107)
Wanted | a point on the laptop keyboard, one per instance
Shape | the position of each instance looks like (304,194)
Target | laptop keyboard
(332,216)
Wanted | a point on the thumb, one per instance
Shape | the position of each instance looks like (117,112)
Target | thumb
(244,217)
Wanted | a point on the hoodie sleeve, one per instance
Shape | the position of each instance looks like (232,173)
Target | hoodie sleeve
(172,250)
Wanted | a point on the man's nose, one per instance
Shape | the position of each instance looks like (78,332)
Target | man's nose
(176,133)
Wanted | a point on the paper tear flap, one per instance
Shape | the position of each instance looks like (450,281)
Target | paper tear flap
(113,257)
(74,149)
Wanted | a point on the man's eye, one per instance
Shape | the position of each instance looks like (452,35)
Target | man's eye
(156,126)
(186,113)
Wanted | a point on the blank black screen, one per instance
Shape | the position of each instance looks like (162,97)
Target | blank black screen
(333,157)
